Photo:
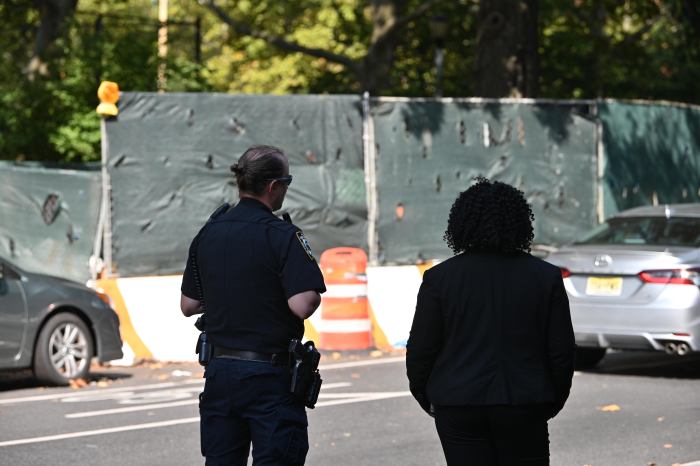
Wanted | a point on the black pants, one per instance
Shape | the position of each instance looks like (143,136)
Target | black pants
(494,435)
(246,402)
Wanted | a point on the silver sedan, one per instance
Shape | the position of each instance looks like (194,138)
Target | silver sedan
(634,282)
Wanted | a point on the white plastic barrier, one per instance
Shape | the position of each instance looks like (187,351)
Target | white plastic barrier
(153,328)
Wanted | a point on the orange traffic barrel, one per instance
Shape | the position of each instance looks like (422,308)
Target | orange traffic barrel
(345,321)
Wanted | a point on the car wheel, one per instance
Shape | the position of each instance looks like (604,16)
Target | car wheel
(587,358)
(63,350)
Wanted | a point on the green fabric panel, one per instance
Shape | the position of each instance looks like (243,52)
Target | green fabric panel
(169,158)
(62,244)
(652,151)
(428,152)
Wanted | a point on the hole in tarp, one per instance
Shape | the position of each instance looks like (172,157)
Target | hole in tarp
(458,174)
(349,120)
(400,211)
(236,126)
(338,152)
(190,117)
(119,160)
(310,156)
(438,184)
(72,235)
(462,132)
(210,162)
(51,208)
(13,248)
(295,123)
(146,226)
(425,152)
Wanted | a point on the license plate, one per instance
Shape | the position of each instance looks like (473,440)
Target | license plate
(604,286)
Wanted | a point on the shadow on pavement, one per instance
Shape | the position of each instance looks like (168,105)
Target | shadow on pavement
(649,364)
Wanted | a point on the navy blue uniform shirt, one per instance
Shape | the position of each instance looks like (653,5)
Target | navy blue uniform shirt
(250,263)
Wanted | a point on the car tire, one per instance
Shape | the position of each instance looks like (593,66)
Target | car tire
(587,358)
(63,350)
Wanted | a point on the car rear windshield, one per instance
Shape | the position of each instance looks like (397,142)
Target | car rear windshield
(675,231)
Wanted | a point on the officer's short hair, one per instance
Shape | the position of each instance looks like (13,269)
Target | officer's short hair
(257,166)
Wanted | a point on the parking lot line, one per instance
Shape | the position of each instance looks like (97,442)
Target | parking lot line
(111,430)
(366,362)
(88,393)
(363,397)
(131,409)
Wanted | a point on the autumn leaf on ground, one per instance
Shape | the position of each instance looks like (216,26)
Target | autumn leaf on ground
(77,383)
(668,445)
(609,408)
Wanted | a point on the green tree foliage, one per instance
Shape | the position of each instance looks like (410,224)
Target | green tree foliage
(587,49)
(49,114)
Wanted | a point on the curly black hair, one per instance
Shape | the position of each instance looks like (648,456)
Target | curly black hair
(490,216)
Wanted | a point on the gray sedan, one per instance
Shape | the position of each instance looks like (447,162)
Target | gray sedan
(634,282)
(54,326)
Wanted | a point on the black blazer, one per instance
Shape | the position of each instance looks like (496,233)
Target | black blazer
(491,329)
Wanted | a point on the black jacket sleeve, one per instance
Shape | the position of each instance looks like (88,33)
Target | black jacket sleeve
(560,344)
(425,341)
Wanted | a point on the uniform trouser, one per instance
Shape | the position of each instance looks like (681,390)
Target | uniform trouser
(494,435)
(244,402)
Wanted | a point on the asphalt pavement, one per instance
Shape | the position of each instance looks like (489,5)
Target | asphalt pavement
(635,409)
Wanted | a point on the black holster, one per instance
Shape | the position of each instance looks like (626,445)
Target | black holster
(204,348)
(306,379)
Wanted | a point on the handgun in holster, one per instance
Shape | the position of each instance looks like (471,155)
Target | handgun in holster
(306,379)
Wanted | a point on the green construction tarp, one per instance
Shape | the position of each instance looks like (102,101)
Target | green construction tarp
(169,157)
(427,152)
(652,154)
(49,217)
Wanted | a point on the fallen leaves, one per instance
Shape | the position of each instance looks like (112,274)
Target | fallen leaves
(76,384)
(609,408)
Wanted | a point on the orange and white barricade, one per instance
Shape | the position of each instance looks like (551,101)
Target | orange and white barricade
(345,319)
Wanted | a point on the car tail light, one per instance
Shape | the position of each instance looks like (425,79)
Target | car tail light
(676,276)
(565,272)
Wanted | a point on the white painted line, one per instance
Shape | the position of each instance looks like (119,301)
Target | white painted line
(694,463)
(111,430)
(359,400)
(346,291)
(328,386)
(344,325)
(188,420)
(89,393)
(368,395)
(131,409)
(369,362)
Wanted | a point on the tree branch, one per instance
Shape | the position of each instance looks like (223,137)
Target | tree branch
(403,21)
(417,13)
(279,42)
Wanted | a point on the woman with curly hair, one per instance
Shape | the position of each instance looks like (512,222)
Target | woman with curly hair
(491,349)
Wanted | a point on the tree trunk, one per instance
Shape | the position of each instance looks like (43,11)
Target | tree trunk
(375,70)
(53,15)
(507,60)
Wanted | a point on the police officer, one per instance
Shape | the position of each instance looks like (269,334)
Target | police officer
(259,281)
